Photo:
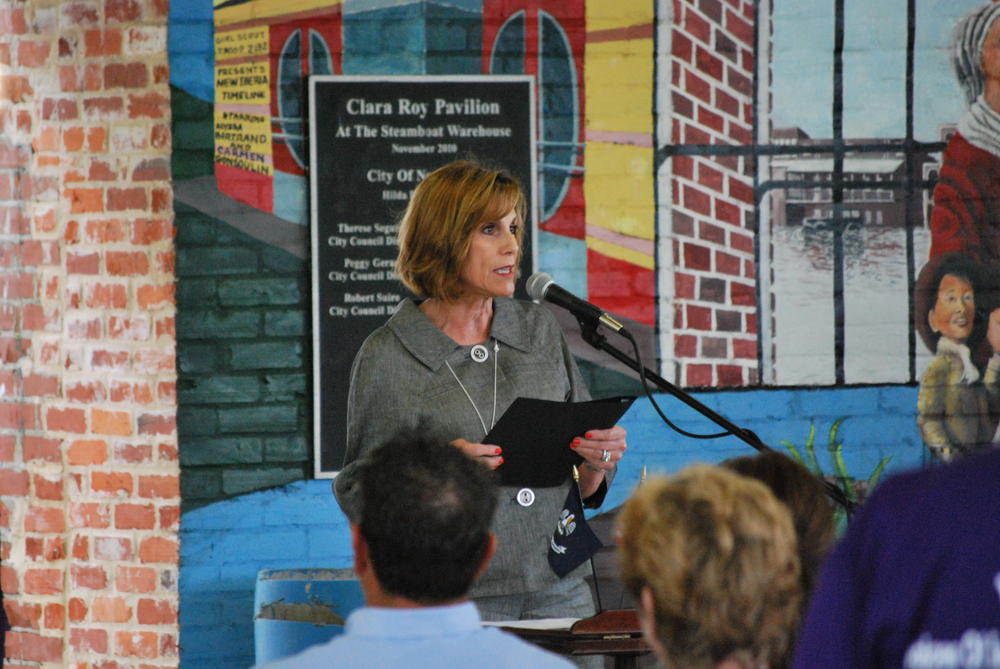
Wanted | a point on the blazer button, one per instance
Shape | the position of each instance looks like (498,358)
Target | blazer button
(525,496)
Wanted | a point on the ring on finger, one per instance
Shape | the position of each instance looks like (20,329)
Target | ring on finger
(606,456)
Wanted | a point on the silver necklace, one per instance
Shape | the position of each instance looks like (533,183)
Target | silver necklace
(493,418)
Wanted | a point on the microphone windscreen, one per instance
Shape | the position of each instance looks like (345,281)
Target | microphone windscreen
(536,285)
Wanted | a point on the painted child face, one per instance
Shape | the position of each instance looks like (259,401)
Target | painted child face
(954,311)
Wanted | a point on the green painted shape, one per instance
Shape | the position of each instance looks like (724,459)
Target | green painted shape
(290,322)
(220,388)
(200,486)
(192,137)
(258,419)
(223,451)
(243,348)
(260,292)
(266,355)
(286,449)
(241,481)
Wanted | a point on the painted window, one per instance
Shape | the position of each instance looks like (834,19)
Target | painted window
(835,299)
(291,87)
(559,94)
(560,111)
(508,48)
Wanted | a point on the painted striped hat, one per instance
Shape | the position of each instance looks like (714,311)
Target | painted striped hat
(967,48)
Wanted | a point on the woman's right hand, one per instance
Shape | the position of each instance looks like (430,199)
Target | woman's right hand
(487,454)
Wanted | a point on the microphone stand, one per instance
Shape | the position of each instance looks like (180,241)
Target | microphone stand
(600,342)
(590,335)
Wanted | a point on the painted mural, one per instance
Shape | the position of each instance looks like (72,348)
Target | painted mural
(957,312)
(766,192)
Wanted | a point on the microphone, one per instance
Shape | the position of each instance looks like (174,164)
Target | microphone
(541,286)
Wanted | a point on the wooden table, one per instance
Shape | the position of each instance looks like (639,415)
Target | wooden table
(613,633)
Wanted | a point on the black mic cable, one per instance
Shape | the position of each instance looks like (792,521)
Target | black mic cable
(541,286)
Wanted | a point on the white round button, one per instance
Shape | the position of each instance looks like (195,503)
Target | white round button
(525,496)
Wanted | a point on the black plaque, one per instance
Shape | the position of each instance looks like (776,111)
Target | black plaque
(372,139)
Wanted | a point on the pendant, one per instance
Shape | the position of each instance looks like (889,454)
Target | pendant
(479,353)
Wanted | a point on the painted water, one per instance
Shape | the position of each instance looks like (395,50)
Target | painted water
(876,305)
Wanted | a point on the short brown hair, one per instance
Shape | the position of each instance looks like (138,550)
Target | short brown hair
(807,500)
(717,551)
(436,230)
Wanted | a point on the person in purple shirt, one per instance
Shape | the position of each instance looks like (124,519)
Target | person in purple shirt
(915,581)
(422,539)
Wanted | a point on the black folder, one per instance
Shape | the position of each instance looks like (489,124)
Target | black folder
(535,437)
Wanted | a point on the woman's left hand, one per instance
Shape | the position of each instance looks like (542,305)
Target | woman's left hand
(601,449)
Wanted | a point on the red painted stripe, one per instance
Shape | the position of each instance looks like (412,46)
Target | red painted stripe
(329,12)
(621,287)
(641,31)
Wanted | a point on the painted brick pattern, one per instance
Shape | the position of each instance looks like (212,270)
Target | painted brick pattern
(244,357)
(89,474)
(714,320)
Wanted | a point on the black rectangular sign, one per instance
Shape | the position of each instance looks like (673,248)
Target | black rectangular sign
(372,139)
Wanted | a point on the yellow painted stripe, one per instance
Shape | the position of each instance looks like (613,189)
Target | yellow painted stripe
(619,188)
(268,9)
(611,14)
(618,80)
(621,253)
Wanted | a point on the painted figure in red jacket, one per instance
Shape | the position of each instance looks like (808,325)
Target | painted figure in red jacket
(966,215)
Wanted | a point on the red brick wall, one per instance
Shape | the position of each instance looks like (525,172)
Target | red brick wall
(714,320)
(89,485)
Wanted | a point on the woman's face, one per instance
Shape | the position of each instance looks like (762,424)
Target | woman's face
(490,268)
(954,311)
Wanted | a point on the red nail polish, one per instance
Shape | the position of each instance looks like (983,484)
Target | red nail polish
(576,442)
(501,461)
(499,451)
(587,435)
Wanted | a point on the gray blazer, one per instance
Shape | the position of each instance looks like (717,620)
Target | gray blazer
(399,381)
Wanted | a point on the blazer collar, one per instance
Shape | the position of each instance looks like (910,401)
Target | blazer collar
(431,346)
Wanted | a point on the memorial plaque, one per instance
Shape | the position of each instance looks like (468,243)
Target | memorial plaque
(372,139)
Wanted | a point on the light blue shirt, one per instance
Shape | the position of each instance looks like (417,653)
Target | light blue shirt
(431,637)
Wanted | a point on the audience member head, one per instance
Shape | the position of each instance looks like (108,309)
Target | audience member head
(711,559)
(425,519)
(446,208)
(806,498)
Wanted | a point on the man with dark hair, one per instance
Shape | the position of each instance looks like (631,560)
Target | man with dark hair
(423,538)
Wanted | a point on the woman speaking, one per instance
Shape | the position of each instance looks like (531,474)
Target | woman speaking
(452,361)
